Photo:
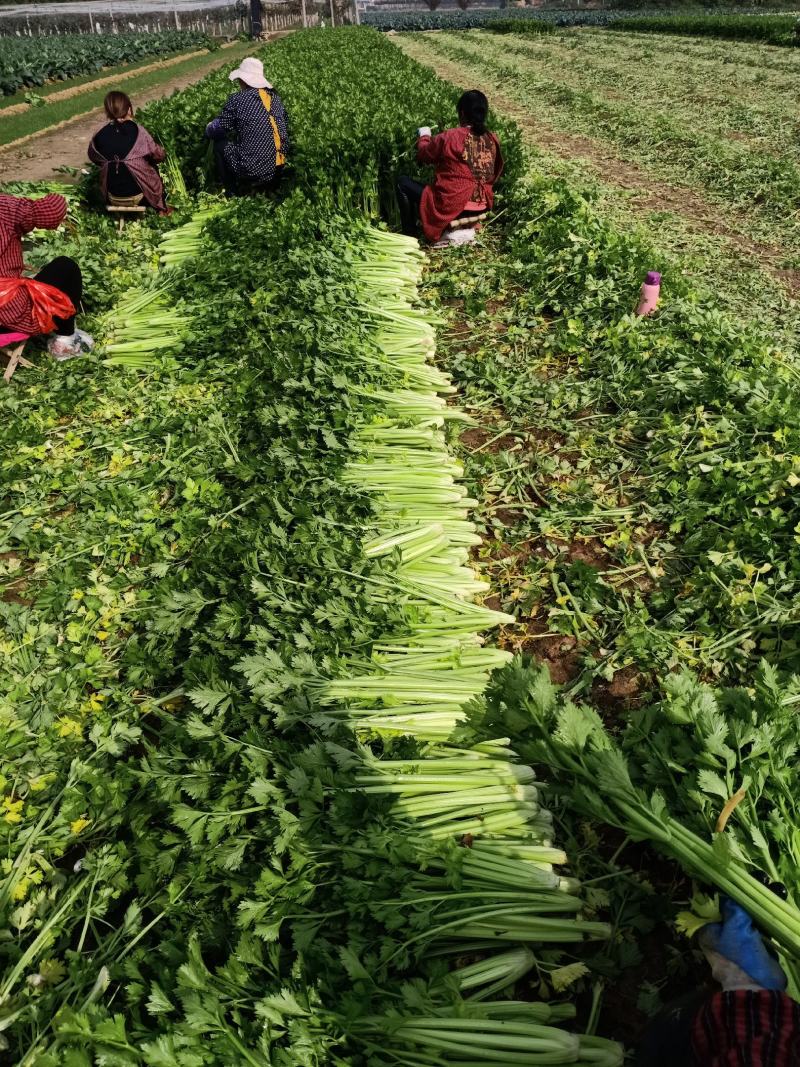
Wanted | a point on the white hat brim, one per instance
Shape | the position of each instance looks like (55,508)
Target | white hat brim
(249,79)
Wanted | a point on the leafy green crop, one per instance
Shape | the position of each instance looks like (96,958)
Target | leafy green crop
(525,20)
(704,778)
(734,23)
(600,543)
(356,144)
(771,29)
(256,810)
(36,60)
(250,823)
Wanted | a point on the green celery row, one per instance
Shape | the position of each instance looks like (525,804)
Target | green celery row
(418,682)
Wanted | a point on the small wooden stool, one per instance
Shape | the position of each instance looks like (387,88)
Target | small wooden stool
(467,222)
(461,231)
(125,207)
(12,346)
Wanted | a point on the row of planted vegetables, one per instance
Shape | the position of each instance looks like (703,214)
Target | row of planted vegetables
(28,61)
(770,28)
(257,804)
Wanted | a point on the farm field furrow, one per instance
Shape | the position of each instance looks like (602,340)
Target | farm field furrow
(714,88)
(642,130)
(703,238)
(748,57)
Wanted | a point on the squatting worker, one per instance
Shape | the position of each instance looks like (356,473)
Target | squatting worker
(46,303)
(468,162)
(250,135)
(748,1021)
(127,156)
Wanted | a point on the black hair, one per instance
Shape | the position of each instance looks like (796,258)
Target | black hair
(117,105)
(473,109)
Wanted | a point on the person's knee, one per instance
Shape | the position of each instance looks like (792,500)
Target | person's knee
(62,261)
(65,265)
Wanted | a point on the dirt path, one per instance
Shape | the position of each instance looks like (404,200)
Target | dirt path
(647,194)
(64,145)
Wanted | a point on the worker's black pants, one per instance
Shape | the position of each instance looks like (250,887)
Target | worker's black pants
(227,178)
(232,183)
(409,195)
(667,1041)
(64,274)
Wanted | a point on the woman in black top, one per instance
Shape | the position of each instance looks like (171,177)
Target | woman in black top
(127,156)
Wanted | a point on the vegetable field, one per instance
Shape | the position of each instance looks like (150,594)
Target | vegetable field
(350,594)
(755,25)
(772,29)
(717,117)
(33,61)
(254,539)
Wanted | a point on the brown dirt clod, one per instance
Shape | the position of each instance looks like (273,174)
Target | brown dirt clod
(623,693)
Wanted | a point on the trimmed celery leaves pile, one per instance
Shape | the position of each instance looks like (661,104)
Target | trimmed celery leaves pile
(638,479)
(241,822)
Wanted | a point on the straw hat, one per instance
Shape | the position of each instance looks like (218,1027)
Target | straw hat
(251,72)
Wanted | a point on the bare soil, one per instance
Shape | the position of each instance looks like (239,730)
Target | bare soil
(480,439)
(647,193)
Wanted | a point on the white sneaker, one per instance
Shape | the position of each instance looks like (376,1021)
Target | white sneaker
(76,344)
(85,339)
(455,238)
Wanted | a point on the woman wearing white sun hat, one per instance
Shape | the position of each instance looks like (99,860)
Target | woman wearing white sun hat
(250,135)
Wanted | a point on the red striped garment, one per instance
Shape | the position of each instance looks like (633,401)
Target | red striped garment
(747,1028)
(18,216)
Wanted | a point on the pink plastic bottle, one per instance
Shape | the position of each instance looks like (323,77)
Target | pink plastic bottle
(648,294)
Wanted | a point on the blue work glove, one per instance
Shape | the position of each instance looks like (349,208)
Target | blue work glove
(738,956)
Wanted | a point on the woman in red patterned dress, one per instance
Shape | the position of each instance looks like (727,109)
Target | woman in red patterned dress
(468,162)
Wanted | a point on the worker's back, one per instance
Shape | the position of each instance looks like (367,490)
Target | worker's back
(255,121)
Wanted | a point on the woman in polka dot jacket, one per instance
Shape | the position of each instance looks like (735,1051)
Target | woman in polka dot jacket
(250,135)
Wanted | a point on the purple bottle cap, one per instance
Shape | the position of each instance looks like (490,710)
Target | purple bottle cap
(653,278)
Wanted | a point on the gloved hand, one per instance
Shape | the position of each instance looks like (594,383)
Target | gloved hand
(424,131)
(738,957)
(211,129)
